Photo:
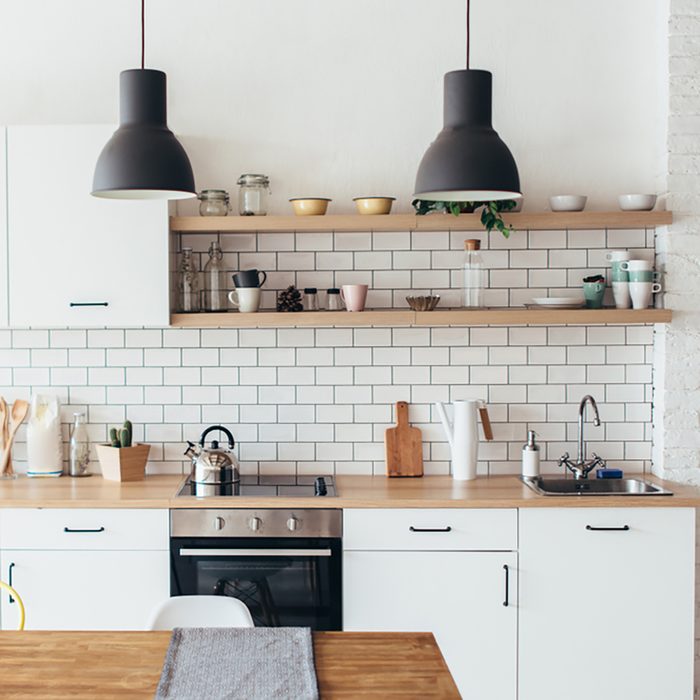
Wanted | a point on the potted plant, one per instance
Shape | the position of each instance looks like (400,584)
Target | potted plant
(490,211)
(121,460)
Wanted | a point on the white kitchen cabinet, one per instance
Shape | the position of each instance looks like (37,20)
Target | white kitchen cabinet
(77,260)
(4,308)
(459,596)
(606,603)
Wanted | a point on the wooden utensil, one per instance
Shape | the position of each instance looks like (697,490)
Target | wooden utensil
(4,418)
(19,411)
(404,446)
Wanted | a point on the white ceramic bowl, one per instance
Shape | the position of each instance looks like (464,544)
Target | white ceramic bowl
(637,202)
(310,206)
(568,202)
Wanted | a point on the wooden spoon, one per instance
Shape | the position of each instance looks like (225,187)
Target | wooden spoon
(20,408)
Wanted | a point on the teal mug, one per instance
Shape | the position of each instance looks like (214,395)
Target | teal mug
(593,293)
(643,276)
(617,273)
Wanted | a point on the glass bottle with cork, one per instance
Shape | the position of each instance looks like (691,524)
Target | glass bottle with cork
(473,275)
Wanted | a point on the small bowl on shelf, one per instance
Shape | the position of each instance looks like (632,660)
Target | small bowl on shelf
(637,202)
(423,303)
(374,206)
(310,206)
(568,202)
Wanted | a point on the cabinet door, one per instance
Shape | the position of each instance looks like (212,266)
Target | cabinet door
(68,249)
(606,613)
(4,309)
(458,596)
(88,590)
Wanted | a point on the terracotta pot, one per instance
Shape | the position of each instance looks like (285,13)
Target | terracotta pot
(123,463)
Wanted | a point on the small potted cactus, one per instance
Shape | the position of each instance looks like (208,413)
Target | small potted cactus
(120,459)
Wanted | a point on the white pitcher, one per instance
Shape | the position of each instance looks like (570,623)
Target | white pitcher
(463,435)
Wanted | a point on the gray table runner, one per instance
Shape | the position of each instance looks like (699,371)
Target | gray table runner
(231,664)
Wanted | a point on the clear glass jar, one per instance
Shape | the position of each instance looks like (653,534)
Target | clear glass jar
(213,203)
(333,302)
(473,275)
(79,447)
(214,294)
(252,195)
(188,283)
(310,299)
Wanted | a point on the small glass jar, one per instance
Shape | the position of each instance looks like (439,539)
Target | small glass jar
(252,195)
(188,283)
(213,203)
(310,299)
(333,302)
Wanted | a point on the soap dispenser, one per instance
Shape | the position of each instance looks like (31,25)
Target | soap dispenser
(531,457)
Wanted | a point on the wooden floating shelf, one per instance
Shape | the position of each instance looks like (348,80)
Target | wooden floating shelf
(410,222)
(406,317)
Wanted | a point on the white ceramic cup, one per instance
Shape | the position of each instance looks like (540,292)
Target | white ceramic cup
(246,299)
(354,296)
(636,265)
(617,255)
(621,294)
(641,293)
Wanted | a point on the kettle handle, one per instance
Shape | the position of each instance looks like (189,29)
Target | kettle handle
(225,431)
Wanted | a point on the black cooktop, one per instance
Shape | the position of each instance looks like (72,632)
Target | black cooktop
(274,485)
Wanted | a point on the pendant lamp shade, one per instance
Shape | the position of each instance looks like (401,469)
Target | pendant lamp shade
(467,162)
(143,159)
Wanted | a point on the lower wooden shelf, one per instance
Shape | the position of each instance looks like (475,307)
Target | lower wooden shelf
(406,317)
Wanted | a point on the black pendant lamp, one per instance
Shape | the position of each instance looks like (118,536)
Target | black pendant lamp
(143,159)
(467,162)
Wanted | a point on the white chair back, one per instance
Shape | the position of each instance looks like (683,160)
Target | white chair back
(200,611)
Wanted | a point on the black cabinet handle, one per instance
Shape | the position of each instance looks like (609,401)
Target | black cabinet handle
(507,572)
(624,528)
(430,529)
(9,579)
(70,529)
(89,303)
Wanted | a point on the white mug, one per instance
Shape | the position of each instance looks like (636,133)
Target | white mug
(636,265)
(621,294)
(246,299)
(640,293)
(617,255)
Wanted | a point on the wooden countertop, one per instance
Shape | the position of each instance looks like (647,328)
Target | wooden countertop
(81,665)
(354,492)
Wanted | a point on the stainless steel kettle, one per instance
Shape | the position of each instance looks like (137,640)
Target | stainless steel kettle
(214,468)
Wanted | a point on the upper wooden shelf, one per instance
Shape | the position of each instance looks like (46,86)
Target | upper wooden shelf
(411,222)
(406,317)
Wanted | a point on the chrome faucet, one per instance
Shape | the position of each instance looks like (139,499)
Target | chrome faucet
(581,467)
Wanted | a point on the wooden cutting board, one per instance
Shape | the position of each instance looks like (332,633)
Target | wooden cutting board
(404,446)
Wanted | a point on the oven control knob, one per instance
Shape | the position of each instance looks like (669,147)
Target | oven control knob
(293,524)
(255,524)
(219,523)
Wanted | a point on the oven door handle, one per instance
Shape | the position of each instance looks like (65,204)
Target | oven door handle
(255,552)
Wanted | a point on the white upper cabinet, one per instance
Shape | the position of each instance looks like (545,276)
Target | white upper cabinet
(74,259)
(4,318)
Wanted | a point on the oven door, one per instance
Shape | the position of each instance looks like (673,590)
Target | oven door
(287,582)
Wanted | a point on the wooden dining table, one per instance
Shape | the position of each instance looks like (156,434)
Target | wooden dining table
(55,665)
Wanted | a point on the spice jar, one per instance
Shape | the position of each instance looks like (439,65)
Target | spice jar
(333,302)
(253,194)
(310,299)
(213,203)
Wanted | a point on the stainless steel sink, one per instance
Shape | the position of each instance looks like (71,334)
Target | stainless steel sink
(594,487)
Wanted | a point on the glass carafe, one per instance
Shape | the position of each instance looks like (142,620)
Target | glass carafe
(79,447)
(473,275)
(188,283)
(214,281)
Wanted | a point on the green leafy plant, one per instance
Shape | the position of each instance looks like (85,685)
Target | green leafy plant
(121,437)
(490,211)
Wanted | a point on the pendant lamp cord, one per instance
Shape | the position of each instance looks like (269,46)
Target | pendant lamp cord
(467,34)
(143,33)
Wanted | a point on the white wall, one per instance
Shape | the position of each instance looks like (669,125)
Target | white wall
(341,97)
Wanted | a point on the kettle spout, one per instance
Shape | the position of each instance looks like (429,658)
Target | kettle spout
(449,432)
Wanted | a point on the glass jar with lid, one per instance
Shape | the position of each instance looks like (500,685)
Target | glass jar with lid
(333,302)
(188,282)
(213,203)
(252,195)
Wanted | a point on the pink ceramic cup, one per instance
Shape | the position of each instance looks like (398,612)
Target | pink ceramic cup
(354,296)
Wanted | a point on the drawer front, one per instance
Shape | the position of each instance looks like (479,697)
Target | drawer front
(48,528)
(430,529)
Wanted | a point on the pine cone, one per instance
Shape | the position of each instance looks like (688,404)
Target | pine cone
(289,300)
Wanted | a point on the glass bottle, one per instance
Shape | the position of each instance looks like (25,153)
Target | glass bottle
(473,275)
(333,302)
(188,283)
(253,194)
(213,203)
(79,447)
(310,299)
(214,281)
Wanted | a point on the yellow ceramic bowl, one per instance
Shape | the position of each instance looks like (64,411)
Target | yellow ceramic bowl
(310,206)
(374,205)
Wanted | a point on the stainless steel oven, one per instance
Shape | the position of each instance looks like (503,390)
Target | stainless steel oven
(285,565)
